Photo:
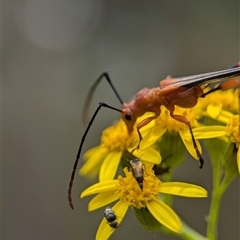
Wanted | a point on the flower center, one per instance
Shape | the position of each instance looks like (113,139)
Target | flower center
(172,125)
(130,191)
(117,137)
(226,99)
(233,131)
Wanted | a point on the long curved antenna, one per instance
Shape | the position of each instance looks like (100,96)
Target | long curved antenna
(101,104)
(92,90)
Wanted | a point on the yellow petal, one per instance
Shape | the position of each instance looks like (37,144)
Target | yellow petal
(223,119)
(226,114)
(102,199)
(104,230)
(165,215)
(150,155)
(214,109)
(152,136)
(93,151)
(189,145)
(100,187)
(109,166)
(182,189)
(91,167)
(206,132)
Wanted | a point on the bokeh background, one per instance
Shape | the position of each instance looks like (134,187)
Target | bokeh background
(52,52)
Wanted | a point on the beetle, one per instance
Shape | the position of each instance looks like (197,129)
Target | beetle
(111,217)
(183,92)
(137,170)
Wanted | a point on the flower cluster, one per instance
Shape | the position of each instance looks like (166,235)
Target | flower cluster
(163,146)
(115,141)
(128,193)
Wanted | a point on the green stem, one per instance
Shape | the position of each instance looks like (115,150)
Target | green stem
(187,233)
(190,234)
(216,166)
(215,207)
(167,198)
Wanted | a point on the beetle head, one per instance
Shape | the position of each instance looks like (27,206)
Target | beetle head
(128,117)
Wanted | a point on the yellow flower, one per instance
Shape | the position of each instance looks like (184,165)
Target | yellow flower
(229,132)
(220,106)
(129,194)
(233,131)
(105,158)
(165,123)
(221,100)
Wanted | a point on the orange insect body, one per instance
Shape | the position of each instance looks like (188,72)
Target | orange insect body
(150,100)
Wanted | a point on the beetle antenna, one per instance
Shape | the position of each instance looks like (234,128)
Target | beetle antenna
(101,104)
(92,90)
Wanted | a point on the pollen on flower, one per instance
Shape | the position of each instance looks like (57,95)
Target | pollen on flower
(166,121)
(117,137)
(227,99)
(232,130)
(130,191)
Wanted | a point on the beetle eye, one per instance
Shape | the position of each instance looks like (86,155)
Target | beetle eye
(128,117)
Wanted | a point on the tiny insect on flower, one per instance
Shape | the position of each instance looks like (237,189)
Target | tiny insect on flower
(129,194)
(136,167)
(111,217)
(183,92)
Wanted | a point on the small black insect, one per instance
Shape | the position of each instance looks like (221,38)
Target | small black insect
(111,217)
(137,171)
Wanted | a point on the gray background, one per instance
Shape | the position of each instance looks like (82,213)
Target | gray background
(52,53)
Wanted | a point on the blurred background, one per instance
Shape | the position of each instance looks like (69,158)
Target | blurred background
(52,52)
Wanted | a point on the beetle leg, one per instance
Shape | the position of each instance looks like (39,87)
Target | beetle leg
(182,119)
(142,124)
